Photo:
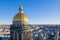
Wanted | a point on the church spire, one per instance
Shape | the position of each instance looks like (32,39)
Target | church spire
(21,9)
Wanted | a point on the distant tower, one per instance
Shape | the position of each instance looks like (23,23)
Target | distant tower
(19,30)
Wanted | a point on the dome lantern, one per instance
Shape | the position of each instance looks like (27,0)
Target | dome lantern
(21,9)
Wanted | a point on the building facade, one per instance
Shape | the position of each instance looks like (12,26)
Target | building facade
(19,30)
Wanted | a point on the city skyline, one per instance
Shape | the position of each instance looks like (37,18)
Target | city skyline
(38,11)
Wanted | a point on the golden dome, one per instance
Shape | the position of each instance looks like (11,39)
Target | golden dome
(20,17)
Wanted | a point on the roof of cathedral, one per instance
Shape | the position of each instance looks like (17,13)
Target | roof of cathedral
(20,17)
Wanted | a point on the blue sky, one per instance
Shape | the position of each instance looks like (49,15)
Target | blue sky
(38,11)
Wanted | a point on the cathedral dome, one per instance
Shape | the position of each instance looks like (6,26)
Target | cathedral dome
(20,17)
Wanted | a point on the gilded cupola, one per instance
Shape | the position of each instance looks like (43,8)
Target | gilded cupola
(20,18)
